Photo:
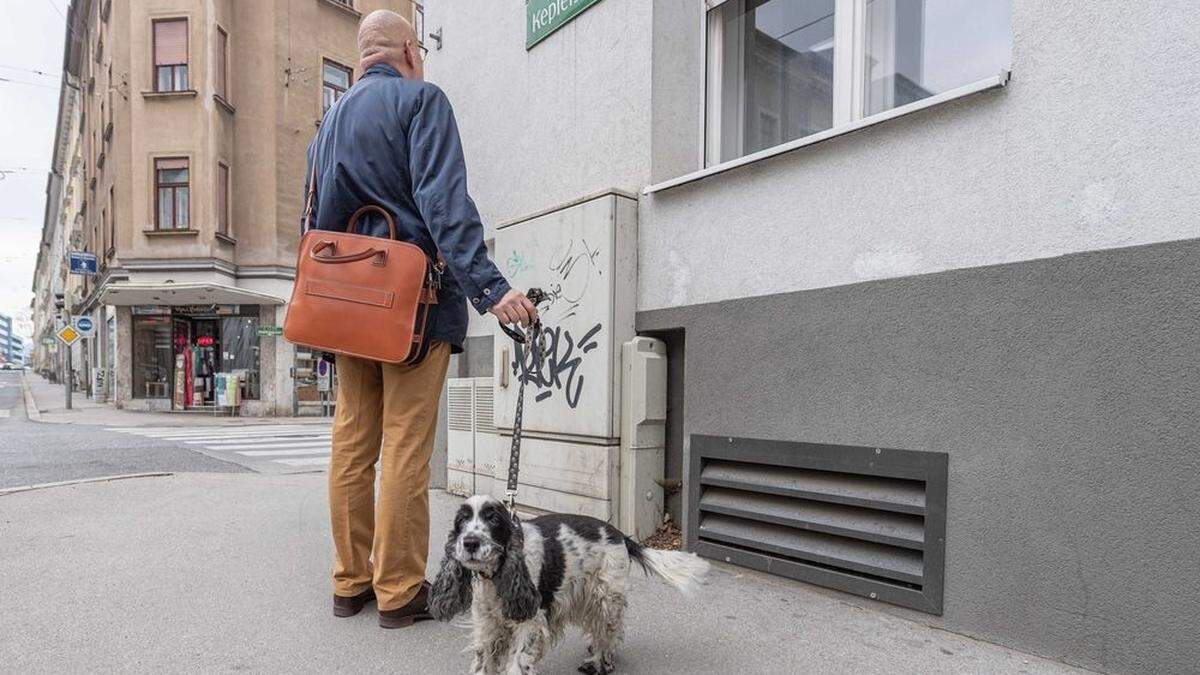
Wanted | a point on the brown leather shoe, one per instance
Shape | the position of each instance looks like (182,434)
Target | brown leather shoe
(349,606)
(416,610)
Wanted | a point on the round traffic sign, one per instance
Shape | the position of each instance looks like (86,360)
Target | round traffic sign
(84,324)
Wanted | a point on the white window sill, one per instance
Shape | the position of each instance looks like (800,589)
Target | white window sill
(982,85)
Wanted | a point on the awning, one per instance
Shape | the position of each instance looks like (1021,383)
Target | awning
(125,294)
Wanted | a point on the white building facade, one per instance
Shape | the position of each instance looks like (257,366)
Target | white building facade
(926,274)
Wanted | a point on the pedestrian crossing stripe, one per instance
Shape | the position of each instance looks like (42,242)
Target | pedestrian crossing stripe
(291,445)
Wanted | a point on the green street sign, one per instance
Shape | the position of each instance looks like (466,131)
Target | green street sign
(268,331)
(543,17)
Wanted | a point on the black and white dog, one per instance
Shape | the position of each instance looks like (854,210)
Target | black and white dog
(525,585)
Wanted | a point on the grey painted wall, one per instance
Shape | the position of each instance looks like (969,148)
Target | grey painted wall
(1091,146)
(1065,392)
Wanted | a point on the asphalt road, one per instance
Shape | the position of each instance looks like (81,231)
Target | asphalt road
(33,453)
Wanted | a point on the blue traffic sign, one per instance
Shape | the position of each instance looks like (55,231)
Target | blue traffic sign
(84,324)
(82,263)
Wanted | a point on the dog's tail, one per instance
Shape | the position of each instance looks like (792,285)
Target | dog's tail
(685,571)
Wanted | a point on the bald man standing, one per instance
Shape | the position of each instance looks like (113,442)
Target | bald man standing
(392,141)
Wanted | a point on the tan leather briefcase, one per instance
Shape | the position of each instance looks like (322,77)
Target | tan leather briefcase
(362,296)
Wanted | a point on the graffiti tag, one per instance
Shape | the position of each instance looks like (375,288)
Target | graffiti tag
(558,370)
(574,271)
(517,263)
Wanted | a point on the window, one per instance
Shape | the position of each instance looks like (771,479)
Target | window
(112,221)
(335,80)
(152,360)
(108,121)
(223,199)
(917,48)
(781,70)
(171,193)
(240,350)
(171,55)
(222,60)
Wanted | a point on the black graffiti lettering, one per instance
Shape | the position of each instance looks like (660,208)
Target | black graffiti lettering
(558,369)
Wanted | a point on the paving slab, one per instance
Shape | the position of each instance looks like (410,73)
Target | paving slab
(229,572)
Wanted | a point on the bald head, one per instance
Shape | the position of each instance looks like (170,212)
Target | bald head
(386,37)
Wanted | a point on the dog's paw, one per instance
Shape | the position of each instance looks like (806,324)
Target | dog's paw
(590,667)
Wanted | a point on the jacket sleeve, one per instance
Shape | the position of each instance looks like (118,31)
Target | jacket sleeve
(439,180)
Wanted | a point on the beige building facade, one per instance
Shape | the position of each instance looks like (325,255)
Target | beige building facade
(192,125)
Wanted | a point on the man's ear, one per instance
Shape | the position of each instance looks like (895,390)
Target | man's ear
(519,598)
(451,591)
(410,53)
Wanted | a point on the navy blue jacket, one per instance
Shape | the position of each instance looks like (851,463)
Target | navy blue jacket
(393,142)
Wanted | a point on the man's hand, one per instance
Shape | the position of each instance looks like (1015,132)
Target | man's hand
(514,307)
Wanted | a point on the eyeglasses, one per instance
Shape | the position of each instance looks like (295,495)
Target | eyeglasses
(424,50)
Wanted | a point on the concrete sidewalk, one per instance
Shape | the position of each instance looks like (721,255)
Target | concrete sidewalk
(46,402)
(207,572)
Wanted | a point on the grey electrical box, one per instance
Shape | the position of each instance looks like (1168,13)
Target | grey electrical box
(643,435)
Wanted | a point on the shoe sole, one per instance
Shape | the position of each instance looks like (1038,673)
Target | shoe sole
(345,612)
(407,621)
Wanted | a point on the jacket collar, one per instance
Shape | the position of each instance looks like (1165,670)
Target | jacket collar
(382,69)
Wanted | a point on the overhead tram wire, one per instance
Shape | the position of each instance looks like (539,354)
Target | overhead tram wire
(33,71)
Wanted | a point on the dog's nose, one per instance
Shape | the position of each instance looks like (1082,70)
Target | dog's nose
(470,543)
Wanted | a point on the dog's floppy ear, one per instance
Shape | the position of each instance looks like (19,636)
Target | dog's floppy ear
(519,598)
(451,591)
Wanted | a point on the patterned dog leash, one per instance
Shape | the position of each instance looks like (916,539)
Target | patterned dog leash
(532,338)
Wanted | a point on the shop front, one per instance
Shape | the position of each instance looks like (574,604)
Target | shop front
(199,347)
(196,356)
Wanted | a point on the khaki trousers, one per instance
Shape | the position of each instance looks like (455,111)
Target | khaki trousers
(385,413)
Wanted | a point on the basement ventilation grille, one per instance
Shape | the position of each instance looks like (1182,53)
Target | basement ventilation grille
(868,521)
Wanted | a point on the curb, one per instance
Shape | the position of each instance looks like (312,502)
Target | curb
(31,409)
(81,481)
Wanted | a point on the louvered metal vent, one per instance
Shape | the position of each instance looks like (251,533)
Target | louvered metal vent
(869,521)
(459,395)
(485,421)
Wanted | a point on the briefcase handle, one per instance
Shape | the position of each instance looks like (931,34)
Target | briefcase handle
(339,259)
(353,223)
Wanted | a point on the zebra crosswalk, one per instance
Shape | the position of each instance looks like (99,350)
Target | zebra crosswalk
(281,446)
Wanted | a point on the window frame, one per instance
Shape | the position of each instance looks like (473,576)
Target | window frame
(112,222)
(187,64)
(224,185)
(174,187)
(349,82)
(221,67)
(848,95)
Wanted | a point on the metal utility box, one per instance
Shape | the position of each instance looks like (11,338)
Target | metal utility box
(584,255)
(472,440)
(643,435)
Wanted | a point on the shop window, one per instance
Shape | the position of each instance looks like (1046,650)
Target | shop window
(781,70)
(171,55)
(171,193)
(335,80)
(240,351)
(152,357)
